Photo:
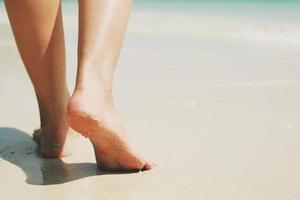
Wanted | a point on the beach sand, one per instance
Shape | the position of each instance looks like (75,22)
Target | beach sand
(212,94)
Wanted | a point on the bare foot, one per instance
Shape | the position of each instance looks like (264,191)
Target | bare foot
(54,144)
(94,116)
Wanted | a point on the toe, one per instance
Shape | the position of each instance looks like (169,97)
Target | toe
(148,165)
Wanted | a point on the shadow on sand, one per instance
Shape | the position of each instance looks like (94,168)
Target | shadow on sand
(18,148)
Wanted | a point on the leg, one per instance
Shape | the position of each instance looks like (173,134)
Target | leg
(38,30)
(102,25)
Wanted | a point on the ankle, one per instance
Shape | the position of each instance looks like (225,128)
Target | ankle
(55,127)
(93,93)
(95,77)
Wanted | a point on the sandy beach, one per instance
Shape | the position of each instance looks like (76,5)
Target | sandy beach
(211,92)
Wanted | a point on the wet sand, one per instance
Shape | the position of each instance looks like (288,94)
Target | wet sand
(219,112)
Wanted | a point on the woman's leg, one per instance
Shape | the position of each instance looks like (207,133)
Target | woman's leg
(38,30)
(102,24)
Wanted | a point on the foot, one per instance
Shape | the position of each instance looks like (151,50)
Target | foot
(54,143)
(94,116)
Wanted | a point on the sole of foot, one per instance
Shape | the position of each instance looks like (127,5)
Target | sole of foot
(99,122)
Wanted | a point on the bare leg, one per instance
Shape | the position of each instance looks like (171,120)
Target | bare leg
(102,24)
(38,30)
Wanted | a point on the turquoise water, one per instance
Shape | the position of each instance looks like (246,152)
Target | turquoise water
(184,2)
(261,22)
(195,4)
(227,4)
(235,6)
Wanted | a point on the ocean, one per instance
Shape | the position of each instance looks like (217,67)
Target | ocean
(261,22)
(198,30)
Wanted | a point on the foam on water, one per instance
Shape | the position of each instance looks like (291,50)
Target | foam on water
(270,22)
(254,25)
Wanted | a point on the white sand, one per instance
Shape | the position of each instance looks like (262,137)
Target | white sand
(215,103)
